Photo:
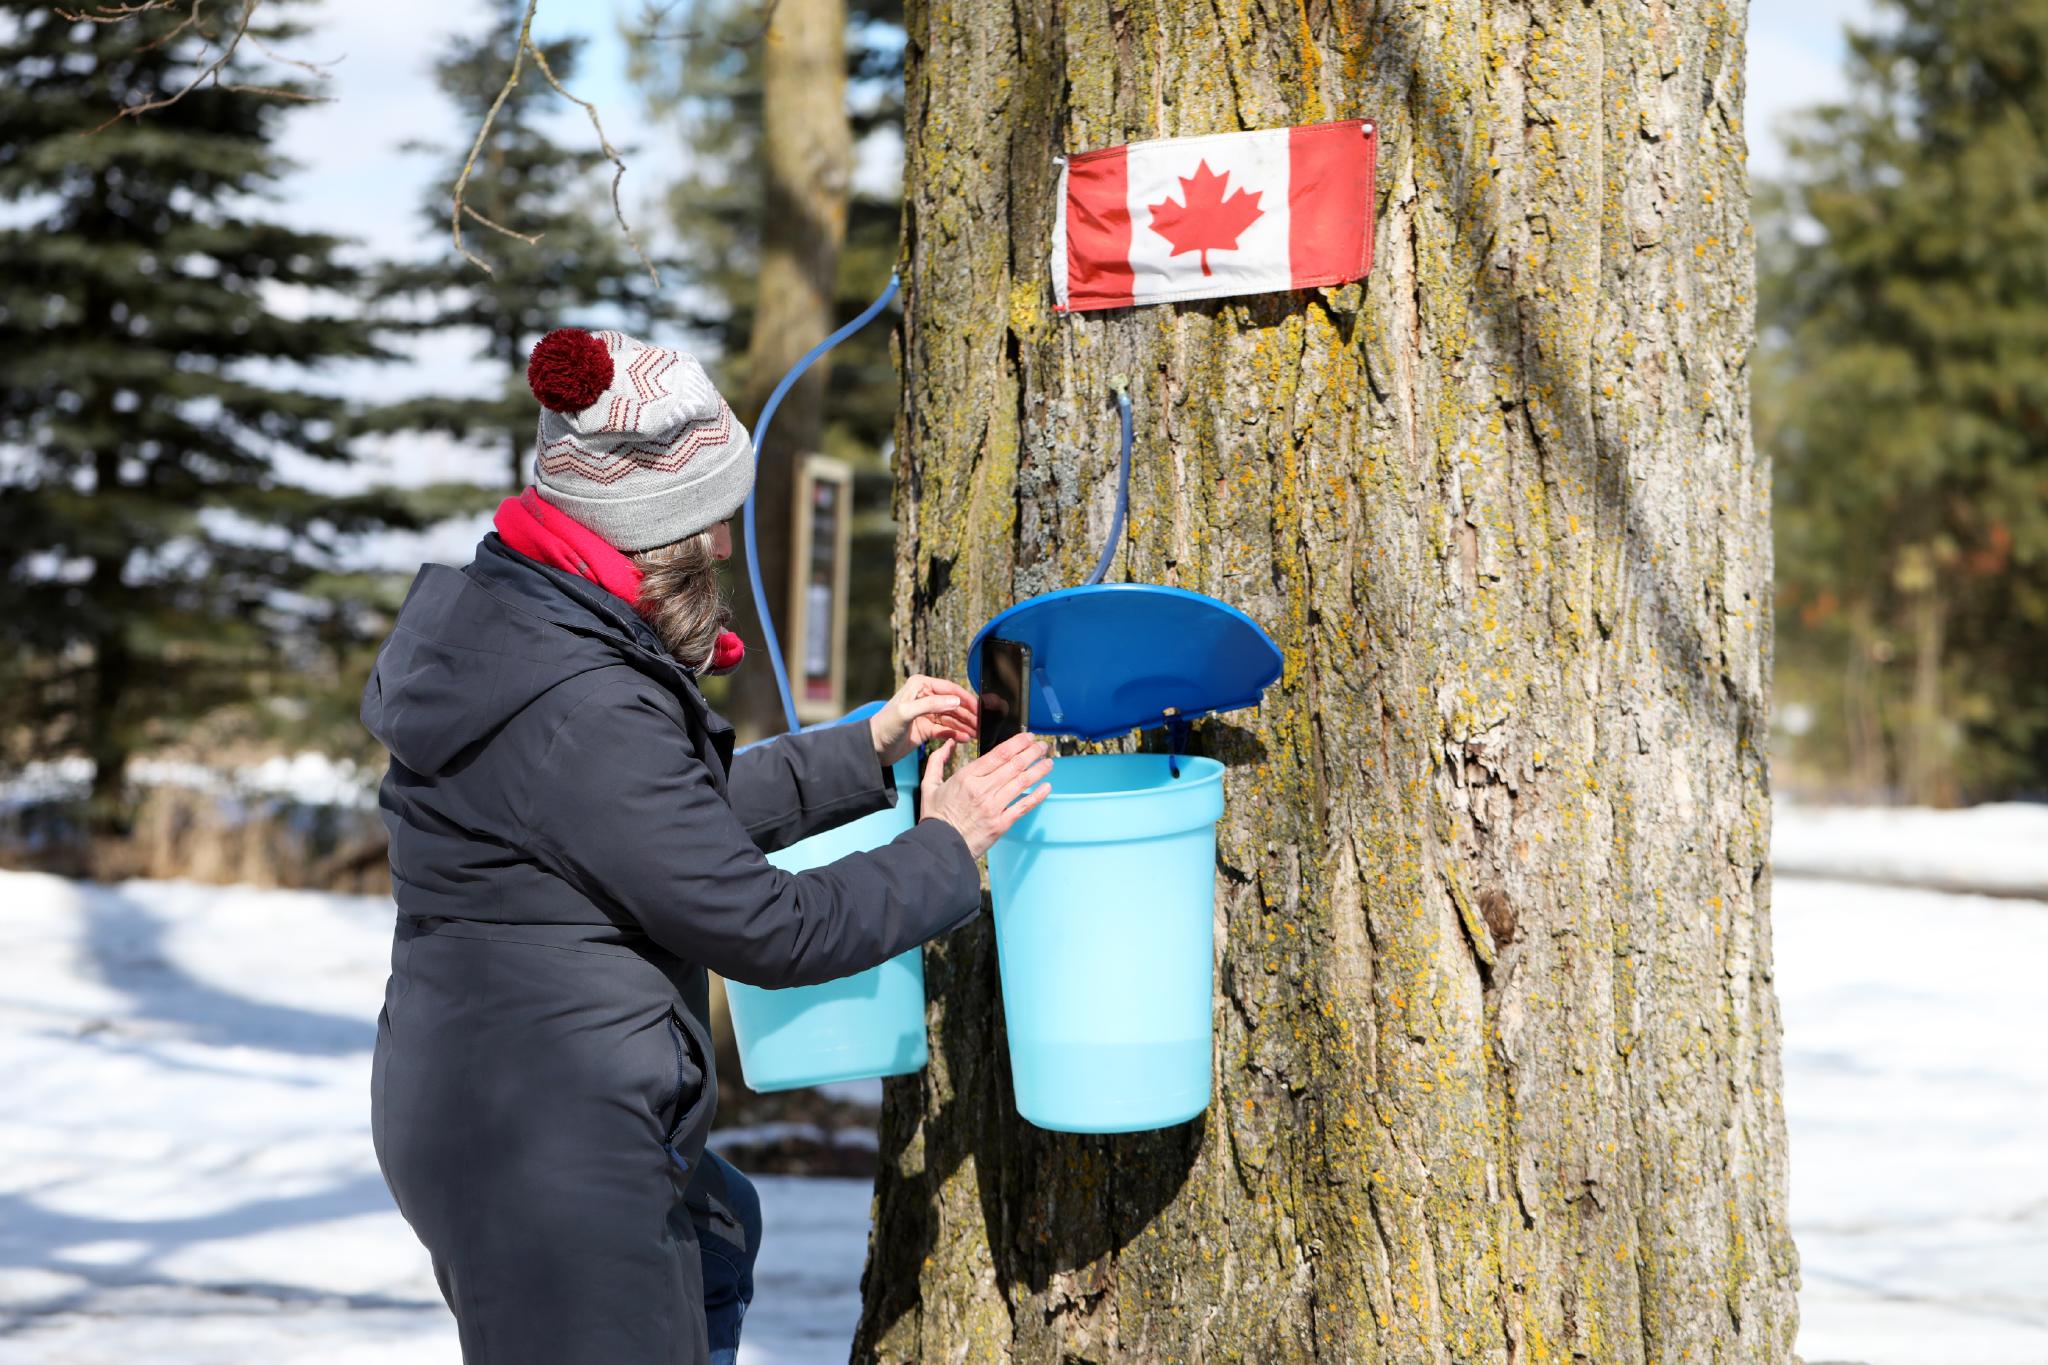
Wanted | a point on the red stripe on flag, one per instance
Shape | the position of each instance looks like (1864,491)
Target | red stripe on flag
(1330,202)
(1098,231)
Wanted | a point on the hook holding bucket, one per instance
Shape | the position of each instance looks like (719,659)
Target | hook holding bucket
(1178,728)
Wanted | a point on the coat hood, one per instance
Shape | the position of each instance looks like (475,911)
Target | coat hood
(473,647)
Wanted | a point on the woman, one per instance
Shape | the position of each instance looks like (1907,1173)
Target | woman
(573,844)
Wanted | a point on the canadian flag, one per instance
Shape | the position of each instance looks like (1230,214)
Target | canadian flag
(1207,217)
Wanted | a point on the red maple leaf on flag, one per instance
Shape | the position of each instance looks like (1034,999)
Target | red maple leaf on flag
(1206,220)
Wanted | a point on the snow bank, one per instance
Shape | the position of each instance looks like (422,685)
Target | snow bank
(305,778)
(1990,850)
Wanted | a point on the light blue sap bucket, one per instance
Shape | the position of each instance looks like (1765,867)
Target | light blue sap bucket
(1104,906)
(865,1025)
(1105,895)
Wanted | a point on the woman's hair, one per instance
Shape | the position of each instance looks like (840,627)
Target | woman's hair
(679,596)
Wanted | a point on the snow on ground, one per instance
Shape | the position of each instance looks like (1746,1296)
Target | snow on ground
(186,1174)
(305,778)
(1993,849)
(1916,1091)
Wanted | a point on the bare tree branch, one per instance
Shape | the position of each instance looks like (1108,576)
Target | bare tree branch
(122,11)
(111,14)
(530,238)
(457,208)
(274,91)
(212,69)
(210,73)
(166,36)
(611,153)
(320,70)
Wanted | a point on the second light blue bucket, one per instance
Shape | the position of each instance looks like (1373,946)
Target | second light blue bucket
(1105,903)
(861,1026)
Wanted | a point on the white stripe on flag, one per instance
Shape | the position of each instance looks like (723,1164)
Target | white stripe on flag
(1059,240)
(1250,163)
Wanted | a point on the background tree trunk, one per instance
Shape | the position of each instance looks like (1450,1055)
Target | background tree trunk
(1927,773)
(1497,1063)
(807,169)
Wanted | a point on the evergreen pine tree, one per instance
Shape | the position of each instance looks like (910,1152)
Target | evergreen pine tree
(532,184)
(156,555)
(1905,399)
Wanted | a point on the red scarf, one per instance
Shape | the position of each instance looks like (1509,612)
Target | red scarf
(543,532)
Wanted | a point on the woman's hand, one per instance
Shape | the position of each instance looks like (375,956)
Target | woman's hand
(982,799)
(923,709)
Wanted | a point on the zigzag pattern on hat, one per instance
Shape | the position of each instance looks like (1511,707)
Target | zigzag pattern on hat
(623,414)
(567,455)
(647,369)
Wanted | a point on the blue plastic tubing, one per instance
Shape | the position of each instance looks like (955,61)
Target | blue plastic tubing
(769,640)
(1123,486)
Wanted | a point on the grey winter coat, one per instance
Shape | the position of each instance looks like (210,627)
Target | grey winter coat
(572,844)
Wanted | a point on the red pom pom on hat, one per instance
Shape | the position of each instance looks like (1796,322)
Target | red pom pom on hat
(569,369)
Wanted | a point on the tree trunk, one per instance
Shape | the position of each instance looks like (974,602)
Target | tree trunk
(807,170)
(1497,1059)
(1925,770)
(104,719)
(1863,708)
(105,727)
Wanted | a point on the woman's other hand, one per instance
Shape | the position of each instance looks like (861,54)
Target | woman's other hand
(982,800)
(922,711)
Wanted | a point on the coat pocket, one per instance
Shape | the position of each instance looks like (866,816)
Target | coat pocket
(696,1087)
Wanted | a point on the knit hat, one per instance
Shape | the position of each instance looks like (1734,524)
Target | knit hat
(634,442)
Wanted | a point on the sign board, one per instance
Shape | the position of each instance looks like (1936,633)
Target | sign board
(821,548)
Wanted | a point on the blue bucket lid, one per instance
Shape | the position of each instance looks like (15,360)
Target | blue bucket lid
(1110,658)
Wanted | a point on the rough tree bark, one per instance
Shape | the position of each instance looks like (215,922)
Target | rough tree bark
(807,173)
(1497,1063)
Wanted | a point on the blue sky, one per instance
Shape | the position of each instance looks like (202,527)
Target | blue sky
(1796,54)
(354,179)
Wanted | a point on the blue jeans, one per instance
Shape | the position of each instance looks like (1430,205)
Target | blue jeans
(726,1211)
